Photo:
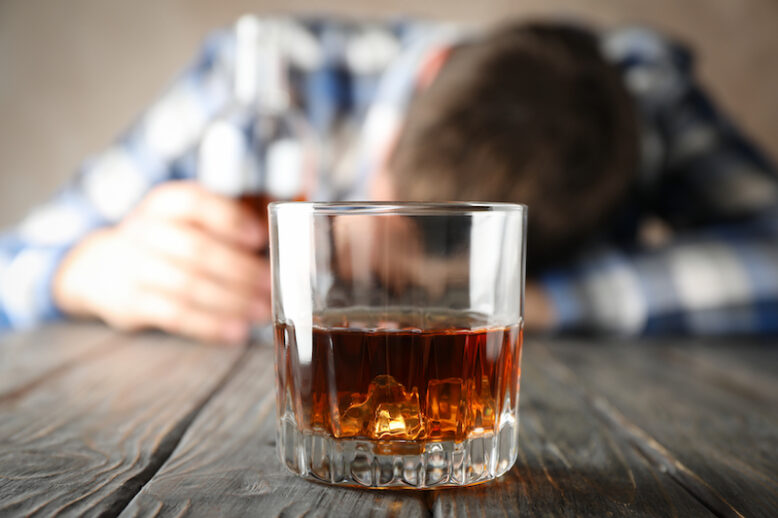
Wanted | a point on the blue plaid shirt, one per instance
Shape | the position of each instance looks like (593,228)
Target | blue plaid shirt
(698,251)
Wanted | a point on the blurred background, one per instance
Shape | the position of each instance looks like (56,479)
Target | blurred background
(74,74)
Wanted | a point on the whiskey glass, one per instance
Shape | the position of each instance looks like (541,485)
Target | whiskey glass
(398,336)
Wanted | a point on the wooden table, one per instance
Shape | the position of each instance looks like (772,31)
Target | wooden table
(93,422)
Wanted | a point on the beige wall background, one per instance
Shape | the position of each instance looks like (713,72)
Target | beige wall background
(74,74)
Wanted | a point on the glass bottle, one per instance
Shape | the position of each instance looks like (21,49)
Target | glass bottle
(260,148)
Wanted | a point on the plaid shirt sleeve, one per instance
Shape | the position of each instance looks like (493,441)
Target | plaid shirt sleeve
(718,194)
(332,69)
(107,186)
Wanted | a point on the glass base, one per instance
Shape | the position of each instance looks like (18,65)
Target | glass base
(397,464)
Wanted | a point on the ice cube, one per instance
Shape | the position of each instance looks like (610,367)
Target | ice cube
(387,411)
(399,420)
(446,408)
(357,419)
(354,421)
(481,406)
(385,389)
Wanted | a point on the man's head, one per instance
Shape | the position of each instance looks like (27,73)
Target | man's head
(527,113)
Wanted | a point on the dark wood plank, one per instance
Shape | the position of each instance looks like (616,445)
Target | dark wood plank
(571,463)
(86,440)
(27,358)
(226,464)
(747,367)
(758,355)
(710,428)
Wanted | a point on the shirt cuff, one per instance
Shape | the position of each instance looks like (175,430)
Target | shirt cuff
(27,296)
(48,308)
(569,304)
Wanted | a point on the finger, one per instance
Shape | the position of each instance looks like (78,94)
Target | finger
(174,315)
(159,273)
(225,217)
(192,248)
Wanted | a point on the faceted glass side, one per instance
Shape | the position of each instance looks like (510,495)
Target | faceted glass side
(349,414)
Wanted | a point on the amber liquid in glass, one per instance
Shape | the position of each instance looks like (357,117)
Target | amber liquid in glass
(392,378)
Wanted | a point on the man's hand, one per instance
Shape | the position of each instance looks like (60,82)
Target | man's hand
(538,311)
(185,261)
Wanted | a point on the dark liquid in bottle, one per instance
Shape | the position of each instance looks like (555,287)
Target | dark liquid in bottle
(444,379)
(257,203)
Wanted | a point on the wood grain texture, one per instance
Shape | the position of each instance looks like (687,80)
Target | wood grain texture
(27,358)
(84,441)
(226,464)
(746,367)
(571,463)
(153,425)
(700,420)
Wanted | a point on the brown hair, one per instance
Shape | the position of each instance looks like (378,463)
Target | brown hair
(529,113)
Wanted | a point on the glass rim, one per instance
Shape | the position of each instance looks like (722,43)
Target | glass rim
(397,207)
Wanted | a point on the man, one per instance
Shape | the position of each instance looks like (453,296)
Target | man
(648,211)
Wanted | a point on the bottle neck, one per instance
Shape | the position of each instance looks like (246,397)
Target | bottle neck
(260,76)
(259,145)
